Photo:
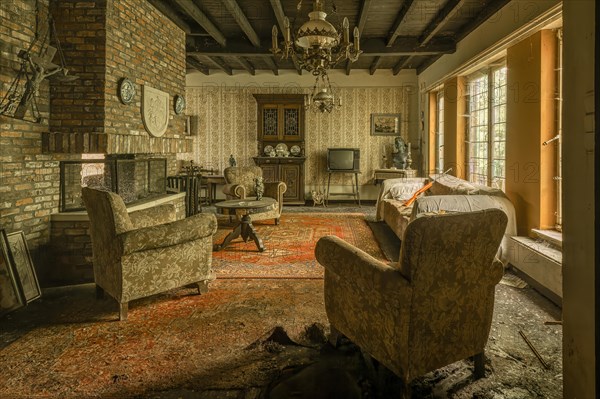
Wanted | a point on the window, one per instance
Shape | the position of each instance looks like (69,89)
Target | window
(487,127)
(439,132)
(559,132)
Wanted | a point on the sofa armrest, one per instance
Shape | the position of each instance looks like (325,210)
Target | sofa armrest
(159,214)
(235,190)
(165,235)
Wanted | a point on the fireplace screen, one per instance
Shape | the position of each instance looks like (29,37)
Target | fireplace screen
(132,179)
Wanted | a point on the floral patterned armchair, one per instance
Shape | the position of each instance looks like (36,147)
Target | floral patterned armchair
(240,184)
(146,252)
(432,308)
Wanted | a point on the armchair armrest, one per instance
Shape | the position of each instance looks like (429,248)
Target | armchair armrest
(349,262)
(235,190)
(275,189)
(159,214)
(169,234)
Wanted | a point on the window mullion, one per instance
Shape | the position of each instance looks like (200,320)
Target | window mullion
(490,135)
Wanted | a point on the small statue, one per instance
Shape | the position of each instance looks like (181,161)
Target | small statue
(259,187)
(318,197)
(400,153)
(232,161)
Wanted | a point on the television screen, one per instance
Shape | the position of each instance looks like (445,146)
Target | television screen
(341,159)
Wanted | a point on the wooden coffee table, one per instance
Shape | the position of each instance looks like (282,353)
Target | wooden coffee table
(244,208)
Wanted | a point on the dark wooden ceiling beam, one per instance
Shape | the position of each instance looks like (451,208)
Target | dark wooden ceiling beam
(272,65)
(442,17)
(241,19)
(364,12)
(193,11)
(399,19)
(170,13)
(403,63)
(371,47)
(427,63)
(197,65)
(481,17)
(222,65)
(374,65)
(247,65)
(280,16)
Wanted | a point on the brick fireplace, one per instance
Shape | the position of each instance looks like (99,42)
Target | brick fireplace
(103,42)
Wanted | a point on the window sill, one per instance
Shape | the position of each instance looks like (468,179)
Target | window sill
(554,237)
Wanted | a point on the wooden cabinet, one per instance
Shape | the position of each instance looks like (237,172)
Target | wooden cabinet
(281,121)
(289,170)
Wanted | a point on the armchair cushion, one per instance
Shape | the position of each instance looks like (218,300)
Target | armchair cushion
(165,235)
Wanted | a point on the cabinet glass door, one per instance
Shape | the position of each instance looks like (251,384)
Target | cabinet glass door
(270,121)
(291,122)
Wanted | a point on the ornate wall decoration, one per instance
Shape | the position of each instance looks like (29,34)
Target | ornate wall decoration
(155,110)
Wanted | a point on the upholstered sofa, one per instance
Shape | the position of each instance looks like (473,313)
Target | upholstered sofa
(448,193)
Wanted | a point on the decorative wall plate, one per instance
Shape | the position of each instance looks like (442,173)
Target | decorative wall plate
(295,150)
(268,149)
(281,147)
(126,91)
(179,103)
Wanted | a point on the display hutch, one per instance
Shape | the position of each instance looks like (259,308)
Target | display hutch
(281,142)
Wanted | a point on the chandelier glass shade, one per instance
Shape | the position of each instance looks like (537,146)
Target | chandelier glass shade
(322,97)
(317,46)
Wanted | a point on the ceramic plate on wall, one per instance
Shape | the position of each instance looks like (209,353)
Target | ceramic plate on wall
(295,150)
(281,147)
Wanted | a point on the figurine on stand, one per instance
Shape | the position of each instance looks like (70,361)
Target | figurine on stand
(259,187)
(232,161)
(400,153)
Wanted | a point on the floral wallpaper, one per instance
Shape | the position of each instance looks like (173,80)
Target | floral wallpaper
(227,124)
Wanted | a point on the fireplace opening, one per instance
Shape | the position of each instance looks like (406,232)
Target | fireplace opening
(133,179)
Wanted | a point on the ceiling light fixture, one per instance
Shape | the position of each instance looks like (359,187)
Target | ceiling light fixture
(317,46)
(322,97)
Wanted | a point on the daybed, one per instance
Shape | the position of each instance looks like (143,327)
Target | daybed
(448,193)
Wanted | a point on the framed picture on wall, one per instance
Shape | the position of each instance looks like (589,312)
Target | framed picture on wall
(385,124)
(11,294)
(24,266)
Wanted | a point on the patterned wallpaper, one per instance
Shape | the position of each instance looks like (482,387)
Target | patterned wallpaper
(227,125)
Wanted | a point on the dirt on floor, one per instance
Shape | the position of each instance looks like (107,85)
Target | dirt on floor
(305,365)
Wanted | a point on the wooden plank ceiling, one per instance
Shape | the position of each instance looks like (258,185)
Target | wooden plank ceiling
(233,35)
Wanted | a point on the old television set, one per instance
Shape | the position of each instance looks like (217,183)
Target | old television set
(343,160)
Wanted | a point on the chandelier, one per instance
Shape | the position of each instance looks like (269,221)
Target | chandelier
(322,97)
(317,46)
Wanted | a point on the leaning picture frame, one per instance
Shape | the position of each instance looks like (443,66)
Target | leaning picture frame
(11,293)
(23,265)
(385,124)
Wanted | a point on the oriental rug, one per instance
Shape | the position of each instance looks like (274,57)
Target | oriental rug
(290,246)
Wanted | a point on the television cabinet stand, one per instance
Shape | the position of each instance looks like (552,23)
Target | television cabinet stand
(355,192)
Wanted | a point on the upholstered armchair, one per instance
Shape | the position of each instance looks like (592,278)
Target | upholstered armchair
(146,252)
(432,308)
(240,184)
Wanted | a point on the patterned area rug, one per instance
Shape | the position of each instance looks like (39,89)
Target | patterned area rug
(289,246)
